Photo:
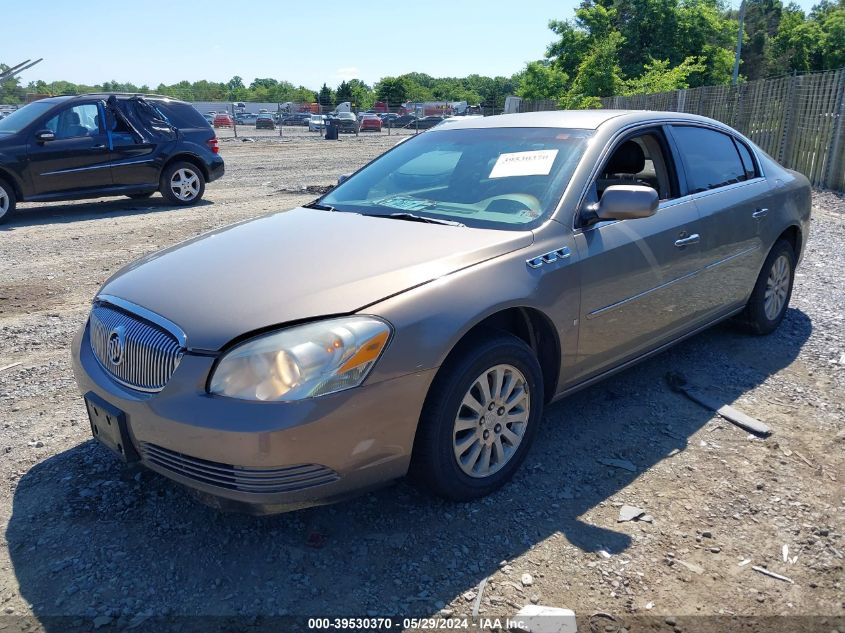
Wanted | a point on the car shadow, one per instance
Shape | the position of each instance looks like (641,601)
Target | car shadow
(75,211)
(89,539)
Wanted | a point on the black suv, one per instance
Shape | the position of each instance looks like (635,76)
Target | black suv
(89,146)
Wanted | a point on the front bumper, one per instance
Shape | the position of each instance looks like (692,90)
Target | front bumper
(262,457)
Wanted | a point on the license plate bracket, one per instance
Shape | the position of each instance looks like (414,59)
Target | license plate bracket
(108,425)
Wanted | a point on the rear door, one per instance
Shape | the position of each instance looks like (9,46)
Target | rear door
(730,194)
(78,158)
(639,278)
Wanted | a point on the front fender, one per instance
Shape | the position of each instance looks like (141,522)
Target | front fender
(431,320)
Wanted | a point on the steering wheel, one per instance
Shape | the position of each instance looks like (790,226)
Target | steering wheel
(513,203)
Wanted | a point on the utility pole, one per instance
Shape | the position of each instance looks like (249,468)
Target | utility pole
(735,76)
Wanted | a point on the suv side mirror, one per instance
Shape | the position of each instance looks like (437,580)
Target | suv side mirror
(45,135)
(627,202)
(343,178)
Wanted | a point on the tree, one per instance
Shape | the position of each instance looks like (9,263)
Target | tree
(542,80)
(391,90)
(599,74)
(326,97)
(659,77)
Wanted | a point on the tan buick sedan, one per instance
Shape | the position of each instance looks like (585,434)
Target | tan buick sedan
(417,318)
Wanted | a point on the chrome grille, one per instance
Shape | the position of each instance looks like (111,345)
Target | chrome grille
(150,354)
(260,480)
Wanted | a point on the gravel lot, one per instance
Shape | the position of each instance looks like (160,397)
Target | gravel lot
(87,544)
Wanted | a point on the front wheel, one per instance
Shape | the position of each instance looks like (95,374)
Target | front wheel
(772,292)
(7,201)
(479,418)
(182,183)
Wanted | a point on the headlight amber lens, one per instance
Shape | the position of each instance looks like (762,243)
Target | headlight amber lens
(302,361)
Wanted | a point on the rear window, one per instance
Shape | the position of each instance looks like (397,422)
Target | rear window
(711,158)
(181,115)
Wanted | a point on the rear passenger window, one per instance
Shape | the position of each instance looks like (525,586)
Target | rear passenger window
(711,158)
(747,161)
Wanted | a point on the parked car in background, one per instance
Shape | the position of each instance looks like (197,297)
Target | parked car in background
(317,122)
(477,272)
(265,122)
(405,120)
(389,118)
(245,118)
(427,122)
(209,119)
(369,123)
(95,145)
(347,122)
(223,119)
(298,118)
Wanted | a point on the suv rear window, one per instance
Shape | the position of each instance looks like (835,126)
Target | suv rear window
(181,115)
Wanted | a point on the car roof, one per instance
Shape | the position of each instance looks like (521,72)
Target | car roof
(577,119)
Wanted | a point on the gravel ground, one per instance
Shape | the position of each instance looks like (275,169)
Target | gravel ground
(87,544)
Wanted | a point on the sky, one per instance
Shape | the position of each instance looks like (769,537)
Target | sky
(306,43)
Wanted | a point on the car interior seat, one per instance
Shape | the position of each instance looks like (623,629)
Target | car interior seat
(623,166)
(71,126)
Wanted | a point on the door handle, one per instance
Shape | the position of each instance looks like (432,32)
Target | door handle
(695,238)
(760,213)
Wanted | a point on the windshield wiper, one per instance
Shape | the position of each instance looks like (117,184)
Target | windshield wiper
(318,206)
(411,217)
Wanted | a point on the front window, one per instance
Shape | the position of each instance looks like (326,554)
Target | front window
(81,120)
(22,117)
(490,178)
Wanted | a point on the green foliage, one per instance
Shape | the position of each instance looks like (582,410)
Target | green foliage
(659,77)
(541,80)
(392,90)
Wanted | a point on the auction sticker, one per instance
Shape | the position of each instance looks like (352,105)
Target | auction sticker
(534,163)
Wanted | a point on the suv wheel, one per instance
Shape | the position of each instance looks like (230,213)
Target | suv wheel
(479,419)
(770,297)
(182,183)
(7,201)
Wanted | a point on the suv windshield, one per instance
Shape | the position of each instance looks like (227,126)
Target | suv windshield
(22,117)
(502,178)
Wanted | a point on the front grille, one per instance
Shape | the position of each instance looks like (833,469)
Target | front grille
(260,480)
(147,355)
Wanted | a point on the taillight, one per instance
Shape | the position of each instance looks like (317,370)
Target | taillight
(214,145)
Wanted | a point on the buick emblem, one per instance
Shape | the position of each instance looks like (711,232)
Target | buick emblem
(116,345)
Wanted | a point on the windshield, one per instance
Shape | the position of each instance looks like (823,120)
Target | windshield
(22,117)
(503,178)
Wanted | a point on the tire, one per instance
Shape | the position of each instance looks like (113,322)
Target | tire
(440,439)
(772,292)
(190,192)
(8,201)
(140,196)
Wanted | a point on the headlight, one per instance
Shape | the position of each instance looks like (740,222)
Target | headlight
(302,361)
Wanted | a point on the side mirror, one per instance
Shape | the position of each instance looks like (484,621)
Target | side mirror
(343,178)
(45,135)
(627,202)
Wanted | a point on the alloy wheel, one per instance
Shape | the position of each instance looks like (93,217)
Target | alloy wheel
(185,184)
(5,203)
(491,421)
(777,287)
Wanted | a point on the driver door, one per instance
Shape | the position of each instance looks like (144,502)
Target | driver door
(77,159)
(638,276)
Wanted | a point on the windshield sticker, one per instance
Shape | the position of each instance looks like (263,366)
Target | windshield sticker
(535,163)
(405,204)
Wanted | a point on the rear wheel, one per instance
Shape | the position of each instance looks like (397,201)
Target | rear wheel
(479,419)
(182,183)
(7,201)
(772,292)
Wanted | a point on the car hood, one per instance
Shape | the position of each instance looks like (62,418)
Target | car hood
(297,265)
